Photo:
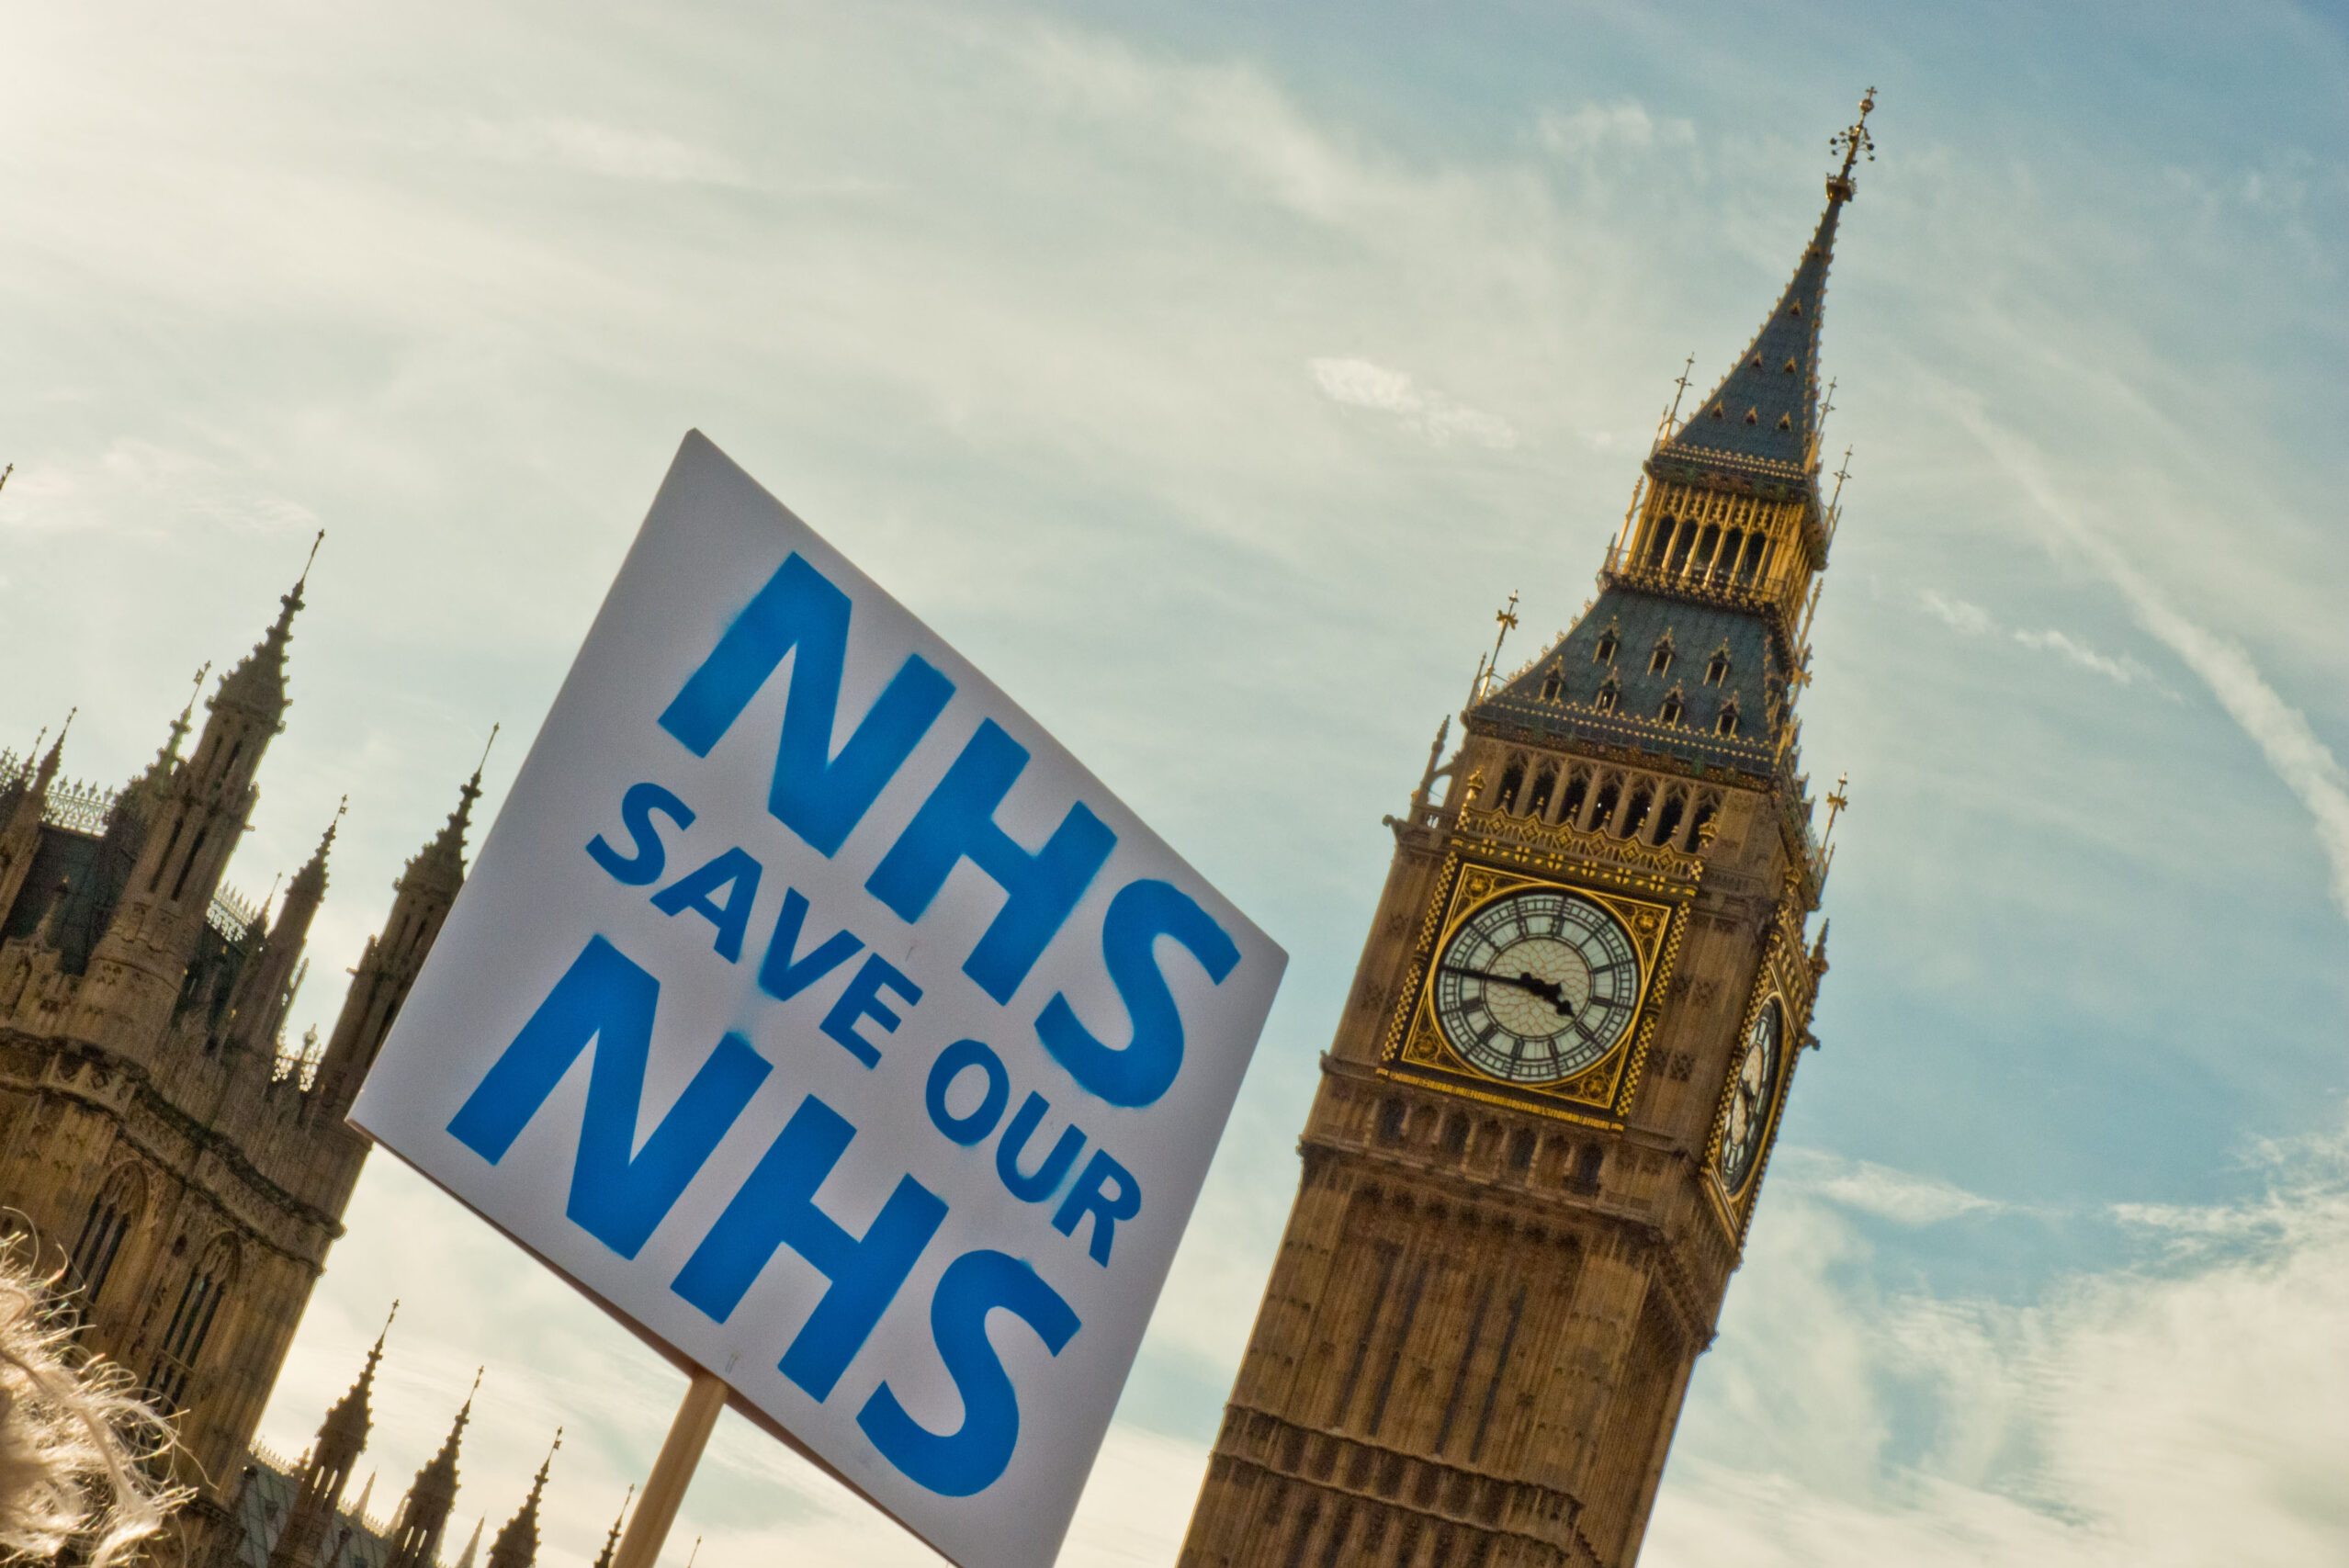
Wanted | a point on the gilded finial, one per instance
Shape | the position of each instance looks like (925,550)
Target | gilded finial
(303,579)
(1836,800)
(1506,616)
(485,754)
(1852,142)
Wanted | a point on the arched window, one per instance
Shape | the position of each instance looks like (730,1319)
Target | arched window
(1702,824)
(1717,668)
(113,1212)
(1727,723)
(1659,539)
(1659,658)
(1553,680)
(1674,707)
(1512,783)
(1635,814)
(1545,784)
(1610,697)
(191,1323)
(1751,565)
(1667,821)
(1604,653)
(1578,791)
(1604,812)
(1686,536)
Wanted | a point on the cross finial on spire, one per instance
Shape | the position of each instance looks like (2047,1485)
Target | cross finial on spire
(1680,390)
(1836,800)
(1852,142)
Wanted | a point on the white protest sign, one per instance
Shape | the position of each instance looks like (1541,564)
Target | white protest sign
(812,1008)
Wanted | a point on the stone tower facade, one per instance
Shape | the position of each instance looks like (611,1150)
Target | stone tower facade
(1541,1130)
(161,1143)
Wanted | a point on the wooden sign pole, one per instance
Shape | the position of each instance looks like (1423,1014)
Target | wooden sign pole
(664,1489)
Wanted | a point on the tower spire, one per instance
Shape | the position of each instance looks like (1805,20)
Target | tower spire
(612,1538)
(1762,421)
(258,682)
(424,1516)
(517,1545)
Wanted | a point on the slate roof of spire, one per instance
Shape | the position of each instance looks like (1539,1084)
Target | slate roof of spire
(1764,410)
(1638,622)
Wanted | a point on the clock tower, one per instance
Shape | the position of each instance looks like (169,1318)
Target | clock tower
(1541,1130)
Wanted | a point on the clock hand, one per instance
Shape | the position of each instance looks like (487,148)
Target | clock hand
(1548,991)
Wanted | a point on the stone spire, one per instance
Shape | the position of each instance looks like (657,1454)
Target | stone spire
(472,1551)
(612,1538)
(266,991)
(439,866)
(21,811)
(517,1545)
(342,1438)
(390,965)
(423,1516)
(257,685)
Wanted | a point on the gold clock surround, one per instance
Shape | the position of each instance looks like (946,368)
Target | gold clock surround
(1784,978)
(1416,1046)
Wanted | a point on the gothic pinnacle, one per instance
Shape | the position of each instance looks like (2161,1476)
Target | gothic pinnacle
(258,682)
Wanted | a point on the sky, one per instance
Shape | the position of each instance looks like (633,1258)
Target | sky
(1209,375)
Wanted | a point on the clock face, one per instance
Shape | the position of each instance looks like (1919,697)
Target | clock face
(1537,985)
(1752,1091)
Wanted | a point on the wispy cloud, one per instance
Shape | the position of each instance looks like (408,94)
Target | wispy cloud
(1359,383)
(1888,1194)
(2292,747)
(1972,619)
(1625,123)
(2054,1429)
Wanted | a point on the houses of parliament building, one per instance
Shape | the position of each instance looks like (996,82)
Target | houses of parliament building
(165,1153)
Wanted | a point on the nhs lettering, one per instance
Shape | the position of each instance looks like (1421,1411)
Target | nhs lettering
(813,1009)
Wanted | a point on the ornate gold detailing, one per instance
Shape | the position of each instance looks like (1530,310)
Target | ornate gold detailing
(1851,142)
(1601,1095)
(1788,977)
(1555,846)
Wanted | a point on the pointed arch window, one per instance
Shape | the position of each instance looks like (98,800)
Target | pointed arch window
(113,1212)
(1578,791)
(1604,652)
(1513,784)
(1610,697)
(1674,707)
(1717,666)
(191,1323)
(1554,681)
(1545,786)
(1659,657)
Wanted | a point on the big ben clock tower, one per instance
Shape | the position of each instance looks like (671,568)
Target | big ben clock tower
(1539,1133)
